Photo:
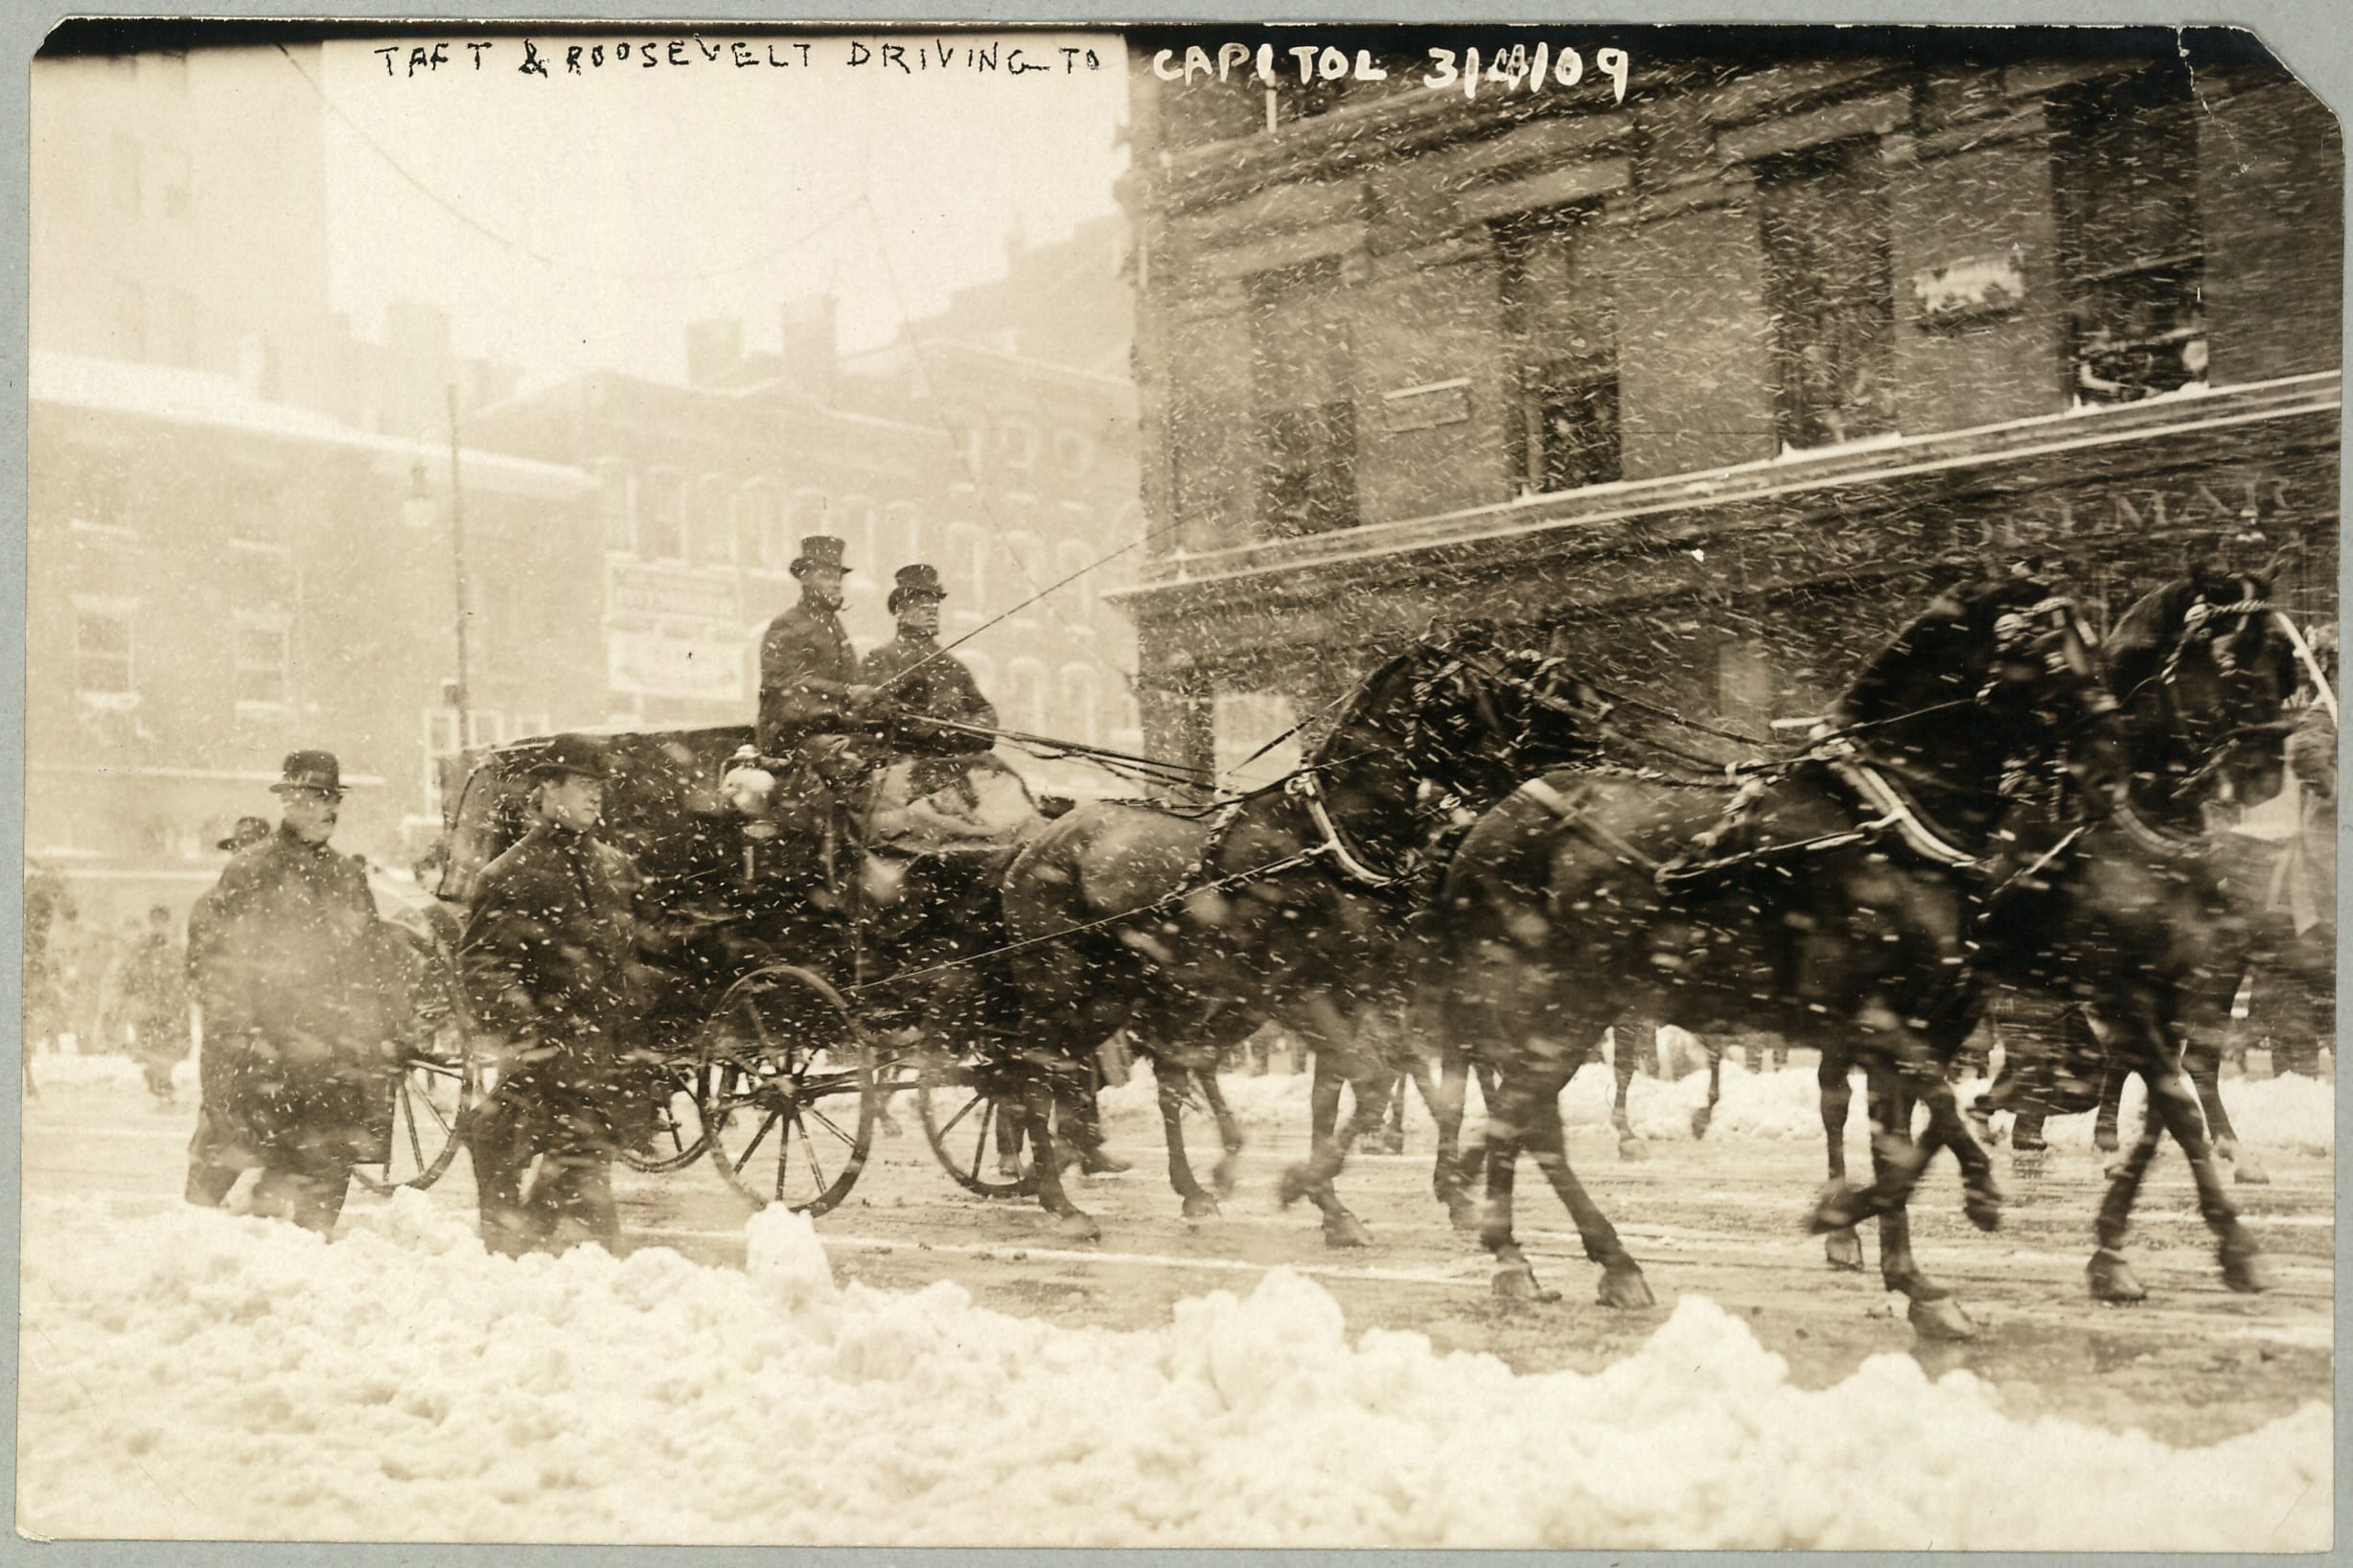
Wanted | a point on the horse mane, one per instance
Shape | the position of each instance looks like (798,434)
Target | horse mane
(1929,645)
(2146,635)
(1369,689)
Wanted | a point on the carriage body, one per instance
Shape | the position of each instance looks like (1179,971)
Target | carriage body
(778,1034)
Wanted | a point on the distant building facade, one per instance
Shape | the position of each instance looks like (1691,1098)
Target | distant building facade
(1704,385)
(960,443)
(240,523)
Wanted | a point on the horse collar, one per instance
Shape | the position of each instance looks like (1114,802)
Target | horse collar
(1304,789)
(2148,836)
(1896,809)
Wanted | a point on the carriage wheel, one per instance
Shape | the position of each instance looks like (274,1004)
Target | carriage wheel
(789,1091)
(679,1135)
(435,1090)
(971,1131)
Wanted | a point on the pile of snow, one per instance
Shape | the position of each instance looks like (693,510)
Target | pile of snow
(196,1374)
(55,1070)
(2292,1115)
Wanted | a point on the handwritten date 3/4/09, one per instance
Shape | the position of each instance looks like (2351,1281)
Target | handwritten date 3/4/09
(1519,68)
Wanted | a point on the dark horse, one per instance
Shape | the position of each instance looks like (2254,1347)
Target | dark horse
(2135,916)
(1190,932)
(1832,905)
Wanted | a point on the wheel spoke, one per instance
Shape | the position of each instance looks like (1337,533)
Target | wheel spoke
(808,1146)
(429,1105)
(806,1111)
(948,1125)
(745,1159)
(408,1113)
(979,1144)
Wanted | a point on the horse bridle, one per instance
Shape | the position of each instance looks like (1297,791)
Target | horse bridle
(2212,742)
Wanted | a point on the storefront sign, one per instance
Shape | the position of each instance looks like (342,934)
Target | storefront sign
(1972,289)
(2223,500)
(660,665)
(642,589)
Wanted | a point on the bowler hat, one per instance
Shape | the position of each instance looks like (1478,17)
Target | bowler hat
(568,755)
(914,582)
(249,830)
(310,770)
(819,551)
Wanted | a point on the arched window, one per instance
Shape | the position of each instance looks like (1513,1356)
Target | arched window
(1075,703)
(1071,561)
(711,525)
(967,571)
(809,516)
(661,516)
(1019,439)
(1024,703)
(616,518)
(759,527)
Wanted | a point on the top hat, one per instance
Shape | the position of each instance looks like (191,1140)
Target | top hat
(916,580)
(575,756)
(249,830)
(310,770)
(819,551)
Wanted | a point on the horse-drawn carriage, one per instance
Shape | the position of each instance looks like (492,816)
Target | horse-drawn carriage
(801,976)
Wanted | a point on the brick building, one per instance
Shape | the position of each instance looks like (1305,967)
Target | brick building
(1710,385)
(995,440)
(238,520)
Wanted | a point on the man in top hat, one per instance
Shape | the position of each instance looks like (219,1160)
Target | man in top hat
(923,682)
(285,962)
(550,966)
(809,681)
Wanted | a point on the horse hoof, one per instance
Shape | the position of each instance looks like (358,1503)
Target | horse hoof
(1624,1288)
(1100,1162)
(1293,1185)
(1941,1319)
(2112,1279)
(2244,1269)
(1223,1178)
(1078,1226)
(1200,1206)
(1982,1204)
(2244,1169)
(1700,1122)
(1633,1148)
(1844,1248)
(1839,1208)
(1462,1213)
(1517,1282)
(2027,1165)
(2104,1140)
(1348,1230)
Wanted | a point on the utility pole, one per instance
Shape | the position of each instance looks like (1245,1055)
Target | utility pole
(457,561)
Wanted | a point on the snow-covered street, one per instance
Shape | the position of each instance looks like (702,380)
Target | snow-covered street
(926,1367)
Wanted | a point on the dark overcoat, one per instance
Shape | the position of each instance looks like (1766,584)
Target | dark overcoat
(927,683)
(806,670)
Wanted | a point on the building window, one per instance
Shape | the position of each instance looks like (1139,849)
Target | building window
(1562,316)
(808,517)
(125,176)
(102,651)
(264,574)
(661,517)
(98,494)
(128,302)
(967,568)
(2131,245)
(711,524)
(903,532)
(1020,440)
(1829,293)
(261,664)
(180,343)
(759,527)
(1025,694)
(617,519)
(1074,452)
(1076,703)
(1307,411)
(1074,564)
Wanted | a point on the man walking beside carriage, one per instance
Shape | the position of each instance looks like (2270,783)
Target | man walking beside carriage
(549,962)
(301,1015)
